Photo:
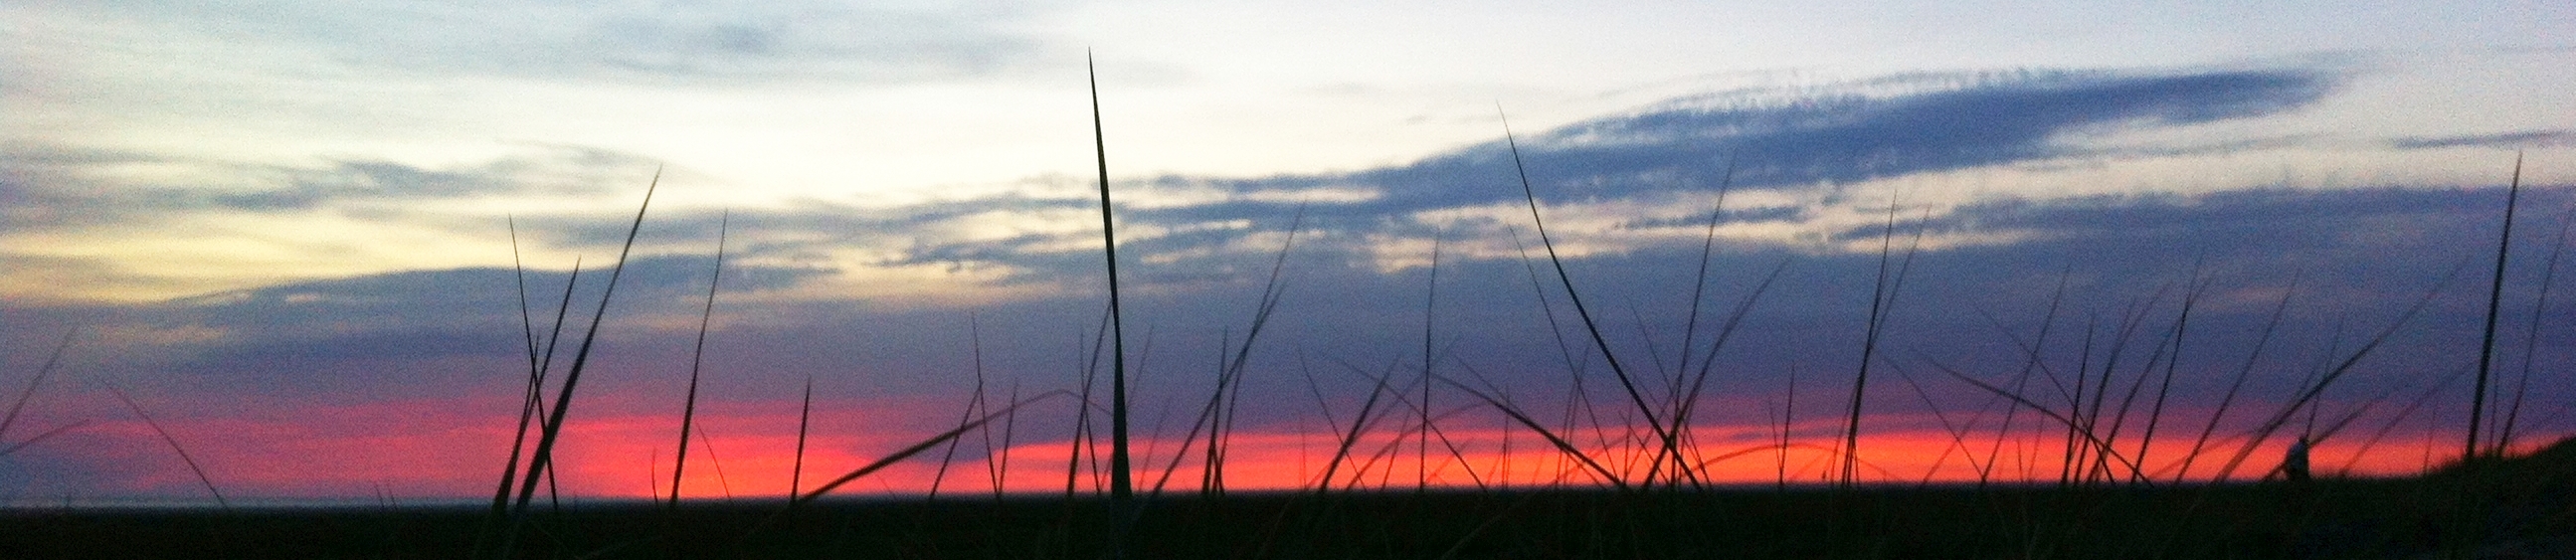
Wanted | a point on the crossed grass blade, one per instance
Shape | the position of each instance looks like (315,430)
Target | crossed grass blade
(1688,404)
(1359,423)
(1663,434)
(918,447)
(2305,397)
(540,464)
(1562,446)
(47,434)
(200,471)
(2031,363)
(1683,401)
(2237,385)
(2182,325)
(1082,442)
(531,406)
(52,361)
(974,403)
(2073,424)
(1214,415)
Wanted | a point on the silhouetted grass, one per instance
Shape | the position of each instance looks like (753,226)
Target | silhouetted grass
(804,418)
(2531,338)
(1664,434)
(697,359)
(2528,515)
(2495,305)
(539,464)
(16,406)
(174,444)
(2483,502)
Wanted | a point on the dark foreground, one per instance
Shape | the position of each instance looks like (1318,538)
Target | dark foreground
(2523,508)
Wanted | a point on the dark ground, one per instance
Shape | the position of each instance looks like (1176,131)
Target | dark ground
(2521,508)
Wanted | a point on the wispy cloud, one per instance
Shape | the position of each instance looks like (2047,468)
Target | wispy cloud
(2521,139)
(707,42)
(1804,141)
(48,187)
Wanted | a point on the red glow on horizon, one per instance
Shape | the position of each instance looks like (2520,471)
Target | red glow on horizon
(429,449)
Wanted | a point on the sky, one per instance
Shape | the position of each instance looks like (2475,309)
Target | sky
(288,231)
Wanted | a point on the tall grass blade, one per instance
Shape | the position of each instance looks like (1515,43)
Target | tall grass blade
(804,416)
(697,359)
(1221,444)
(1010,423)
(722,481)
(2336,427)
(528,333)
(2120,417)
(975,343)
(2075,400)
(1393,451)
(1121,487)
(2131,318)
(1699,284)
(1882,304)
(1690,326)
(1788,419)
(519,273)
(2182,325)
(2495,304)
(1430,306)
(2531,341)
(174,445)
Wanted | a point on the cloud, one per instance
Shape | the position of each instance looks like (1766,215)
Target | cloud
(2521,139)
(303,337)
(1800,141)
(1673,152)
(1845,134)
(50,187)
(699,42)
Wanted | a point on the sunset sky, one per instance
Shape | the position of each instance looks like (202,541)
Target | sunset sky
(285,228)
